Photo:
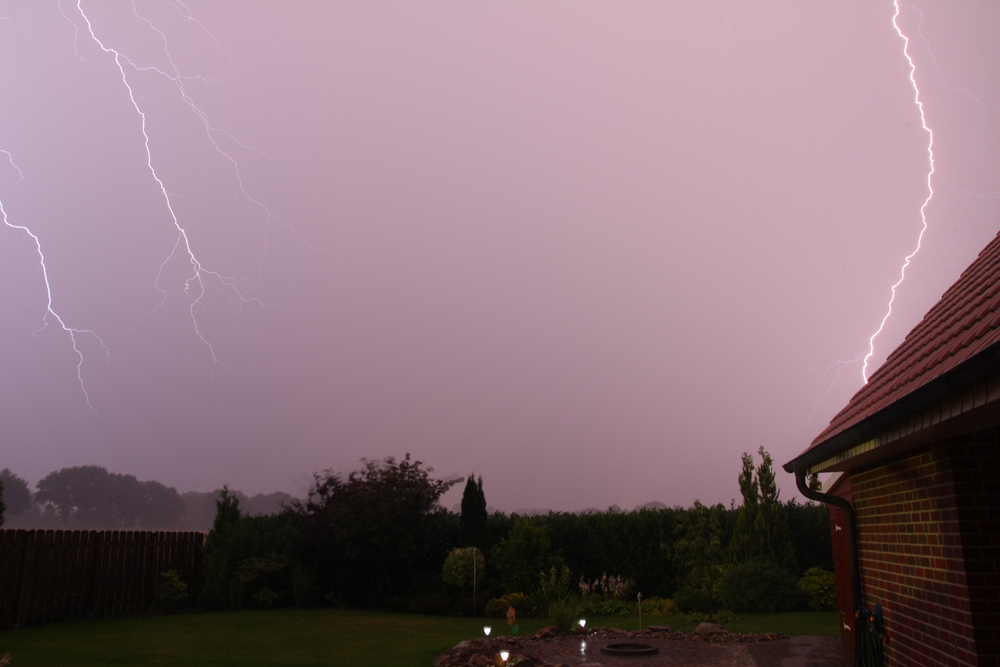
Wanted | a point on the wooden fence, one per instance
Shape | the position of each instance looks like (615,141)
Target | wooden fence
(57,575)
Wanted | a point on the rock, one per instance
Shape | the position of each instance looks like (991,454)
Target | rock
(546,633)
(477,659)
(660,628)
(710,629)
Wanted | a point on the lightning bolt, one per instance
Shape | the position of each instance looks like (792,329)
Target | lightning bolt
(50,311)
(930,186)
(200,278)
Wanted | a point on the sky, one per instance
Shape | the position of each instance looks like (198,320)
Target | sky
(591,251)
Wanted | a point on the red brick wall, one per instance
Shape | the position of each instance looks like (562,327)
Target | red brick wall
(912,560)
(976,474)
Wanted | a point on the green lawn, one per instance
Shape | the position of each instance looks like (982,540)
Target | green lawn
(302,637)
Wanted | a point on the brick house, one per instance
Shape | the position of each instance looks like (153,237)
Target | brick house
(915,501)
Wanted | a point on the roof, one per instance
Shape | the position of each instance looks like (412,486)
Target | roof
(964,324)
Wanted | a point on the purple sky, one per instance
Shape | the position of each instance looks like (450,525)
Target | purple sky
(592,251)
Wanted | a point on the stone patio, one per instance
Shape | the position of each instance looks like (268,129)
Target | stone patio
(675,649)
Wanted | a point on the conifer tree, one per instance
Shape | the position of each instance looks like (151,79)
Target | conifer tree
(761,530)
(744,544)
(770,523)
(473,519)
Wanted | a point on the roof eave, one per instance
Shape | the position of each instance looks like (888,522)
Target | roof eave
(961,378)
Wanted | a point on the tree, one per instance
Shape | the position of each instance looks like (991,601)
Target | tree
(3,507)
(744,544)
(371,533)
(770,521)
(761,530)
(91,497)
(474,516)
(16,494)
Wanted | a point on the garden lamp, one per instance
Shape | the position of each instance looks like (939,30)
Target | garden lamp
(504,655)
(486,630)
(582,622)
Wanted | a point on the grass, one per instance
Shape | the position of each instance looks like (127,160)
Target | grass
(296,637)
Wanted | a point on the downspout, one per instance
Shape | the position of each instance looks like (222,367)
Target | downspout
(852,544)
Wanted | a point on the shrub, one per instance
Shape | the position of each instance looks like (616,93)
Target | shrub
(552,588)
(614,608)
(497,607)
(463,567)
(758,587)
(564,613)
(659,607)
(819,587)
(696,600)
(171,591)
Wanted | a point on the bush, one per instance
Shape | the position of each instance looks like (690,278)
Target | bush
(696,600)
(463,567)
(171,591)
(552,588)
(819,587)
(659,607)
(564,613)
(758,587)
(497,607)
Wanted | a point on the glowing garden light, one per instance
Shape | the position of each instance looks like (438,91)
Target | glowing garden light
(486,630)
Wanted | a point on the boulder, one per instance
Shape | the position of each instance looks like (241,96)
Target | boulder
(546,633)
(710,629)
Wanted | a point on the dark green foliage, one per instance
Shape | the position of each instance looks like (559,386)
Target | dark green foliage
(636,545)
(372,535)
(3,506)
(761,530)
(250,560)
(474,516)
(564,613)
(696,600)
(758,587)
(200,506)
(171,591)
(700,551)
(523,556)
(809,527)
(819,587)
(554,587)
(745,543)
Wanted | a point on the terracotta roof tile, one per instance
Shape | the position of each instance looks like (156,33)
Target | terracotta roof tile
(963,323)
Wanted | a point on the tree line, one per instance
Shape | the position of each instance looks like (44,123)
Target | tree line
(378,537)
(91,498)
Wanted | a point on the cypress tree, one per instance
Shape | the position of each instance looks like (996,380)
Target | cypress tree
(473,519)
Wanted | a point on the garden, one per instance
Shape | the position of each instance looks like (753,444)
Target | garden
(372,569)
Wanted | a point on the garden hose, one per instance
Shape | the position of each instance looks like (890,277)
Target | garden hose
(873,637)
